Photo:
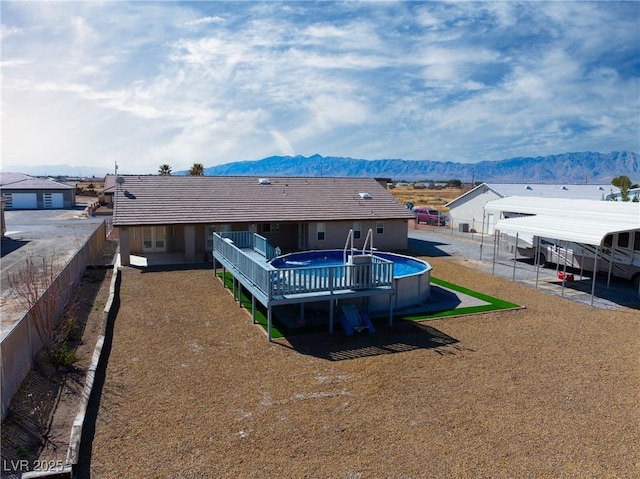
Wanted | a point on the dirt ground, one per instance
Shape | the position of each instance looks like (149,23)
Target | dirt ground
(194,390)
(432,198)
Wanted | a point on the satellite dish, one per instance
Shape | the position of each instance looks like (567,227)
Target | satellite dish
(120,180)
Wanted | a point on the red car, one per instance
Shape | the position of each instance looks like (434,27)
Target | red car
(430,216)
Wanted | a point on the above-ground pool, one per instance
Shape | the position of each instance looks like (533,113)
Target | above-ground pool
(411,281)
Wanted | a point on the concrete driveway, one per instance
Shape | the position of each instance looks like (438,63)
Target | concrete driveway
(52,234)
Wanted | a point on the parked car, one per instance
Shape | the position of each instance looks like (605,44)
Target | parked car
(430,216)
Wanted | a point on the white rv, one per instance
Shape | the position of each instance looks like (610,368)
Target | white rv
(619,254)
(577,233)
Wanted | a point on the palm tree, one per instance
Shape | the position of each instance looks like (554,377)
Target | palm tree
(164,170)
(196,170)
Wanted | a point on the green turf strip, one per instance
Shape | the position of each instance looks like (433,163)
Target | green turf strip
(279,330)
(495,304)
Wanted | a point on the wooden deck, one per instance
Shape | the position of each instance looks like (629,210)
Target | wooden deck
(247,257)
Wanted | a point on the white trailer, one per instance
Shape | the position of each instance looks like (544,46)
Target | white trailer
(587,235)
(618,256)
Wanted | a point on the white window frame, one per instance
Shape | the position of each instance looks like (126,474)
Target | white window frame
(380,227)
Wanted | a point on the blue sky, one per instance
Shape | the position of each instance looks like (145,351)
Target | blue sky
(147,83)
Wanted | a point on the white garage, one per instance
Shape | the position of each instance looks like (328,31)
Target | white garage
(23,192)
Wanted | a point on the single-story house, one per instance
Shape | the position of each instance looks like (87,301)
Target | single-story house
(28,193)
(105,197)
(467,210)
(179,214)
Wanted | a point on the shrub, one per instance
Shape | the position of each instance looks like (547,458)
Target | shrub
(63,355)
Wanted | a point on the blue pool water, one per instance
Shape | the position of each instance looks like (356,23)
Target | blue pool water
(403,265)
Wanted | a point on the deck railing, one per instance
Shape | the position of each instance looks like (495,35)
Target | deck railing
(262,246)
(276,283)
(315,279)
(248,240)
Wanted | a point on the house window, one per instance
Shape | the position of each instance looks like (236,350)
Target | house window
(636,241)
(357,230)
(321,229)
(271,228)
(380,227)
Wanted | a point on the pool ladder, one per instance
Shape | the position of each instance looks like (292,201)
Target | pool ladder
(348,245)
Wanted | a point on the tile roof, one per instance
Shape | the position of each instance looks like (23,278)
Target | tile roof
(19,181)
(156,199)
(109,184)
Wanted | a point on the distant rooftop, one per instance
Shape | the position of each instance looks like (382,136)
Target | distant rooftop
(544,190)
(579,192)
(20,181)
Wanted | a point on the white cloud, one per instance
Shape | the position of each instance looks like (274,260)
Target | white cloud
(9,31)
(282,143)
(455,81)
(204,21)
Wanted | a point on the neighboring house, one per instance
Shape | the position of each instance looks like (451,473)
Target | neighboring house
(167,214)
(28,193)
(105,197)
(467,210)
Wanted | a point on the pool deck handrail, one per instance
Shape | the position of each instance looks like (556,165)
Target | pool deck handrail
(236,252)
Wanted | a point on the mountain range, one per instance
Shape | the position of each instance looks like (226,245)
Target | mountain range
(583,167)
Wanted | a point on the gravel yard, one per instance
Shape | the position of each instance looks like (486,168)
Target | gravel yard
(194,390)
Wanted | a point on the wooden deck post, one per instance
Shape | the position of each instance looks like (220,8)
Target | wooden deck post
(253,309)
(331,316)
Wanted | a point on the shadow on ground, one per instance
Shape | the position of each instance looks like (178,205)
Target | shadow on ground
(617,291)
(442,299)
(620,292)
(426,248)
(9,245)
(93,405)
(159,268)
(401,337)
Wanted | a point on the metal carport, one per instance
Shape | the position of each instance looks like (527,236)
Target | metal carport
(578,221)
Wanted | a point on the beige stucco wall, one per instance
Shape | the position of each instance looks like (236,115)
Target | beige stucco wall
(393,238)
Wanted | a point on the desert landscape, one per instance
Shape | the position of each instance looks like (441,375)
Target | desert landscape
(193,389)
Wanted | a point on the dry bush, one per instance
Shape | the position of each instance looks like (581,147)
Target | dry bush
(35,288)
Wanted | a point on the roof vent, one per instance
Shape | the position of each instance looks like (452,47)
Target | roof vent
(565,188)
(365,196)
(264,181)
(528,188)
(600,188)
